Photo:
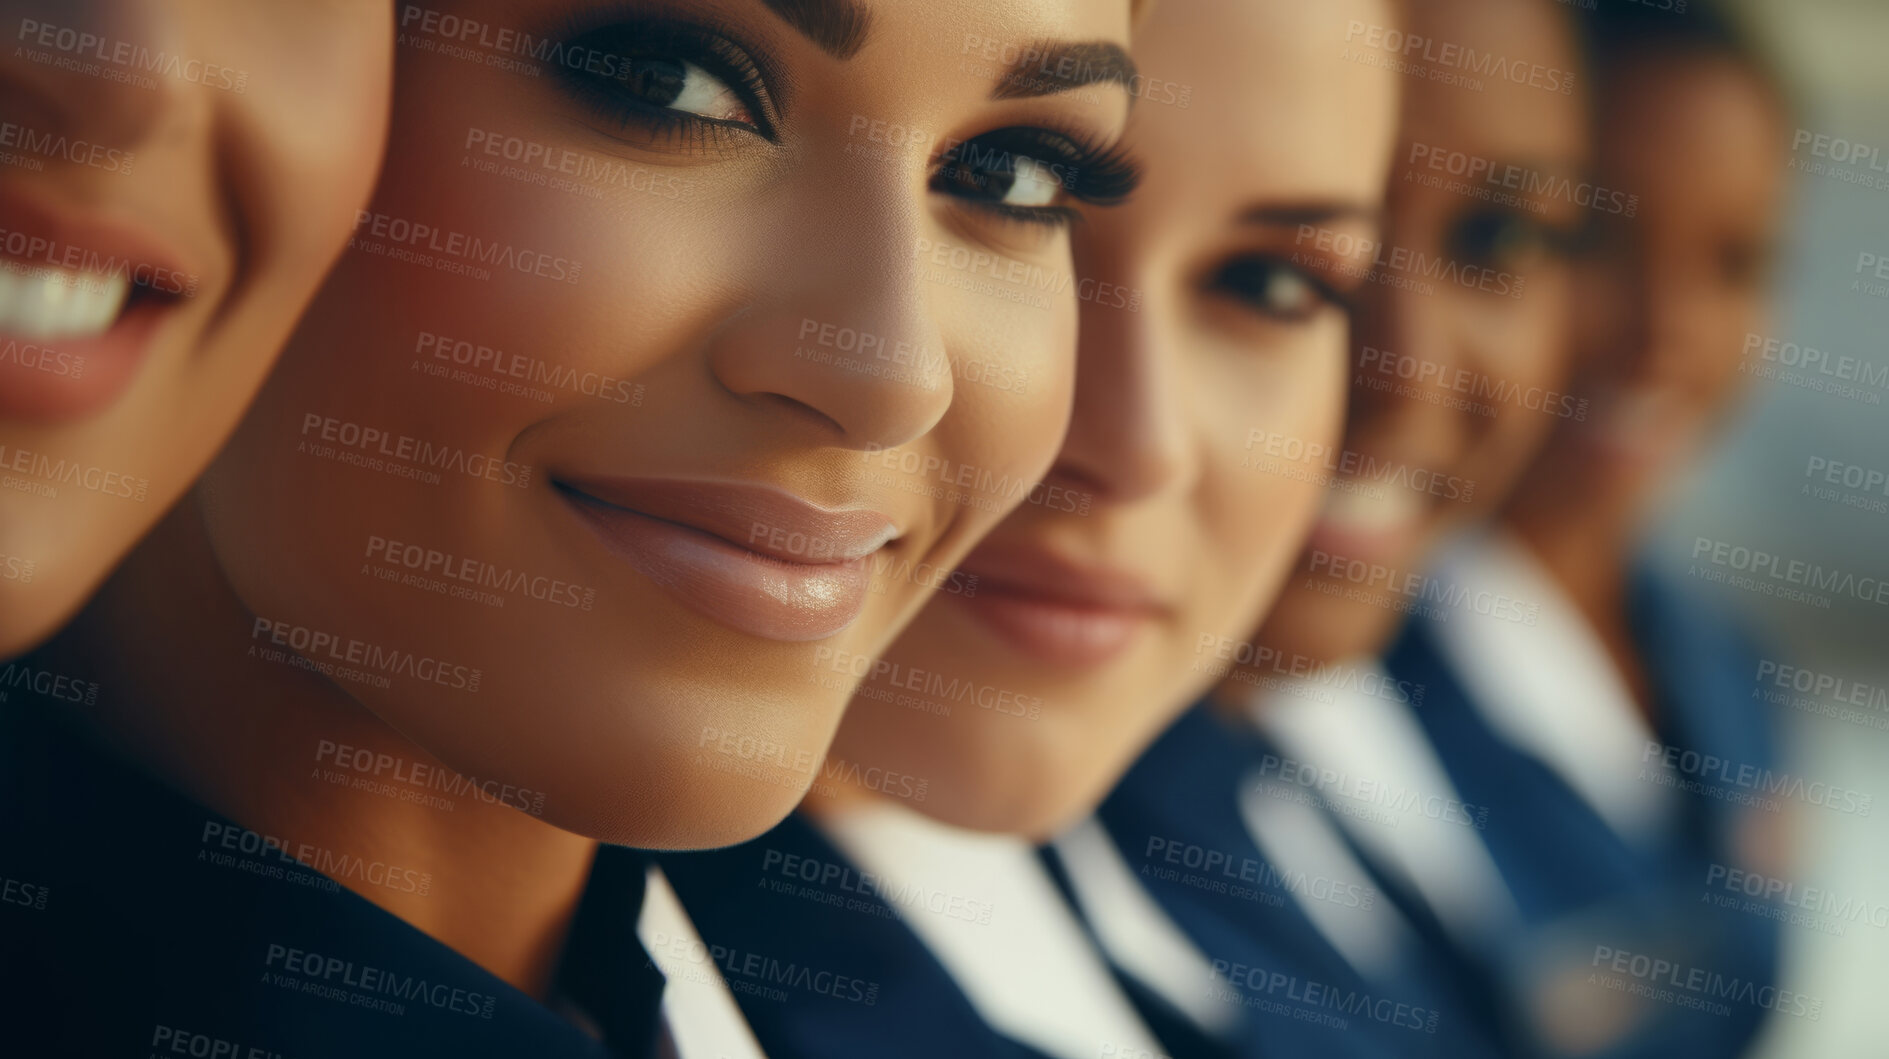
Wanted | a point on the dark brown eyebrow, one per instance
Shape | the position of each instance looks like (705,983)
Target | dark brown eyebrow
(837,27)
(1051,66)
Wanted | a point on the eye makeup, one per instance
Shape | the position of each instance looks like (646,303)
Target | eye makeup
(984,170)
(692,85)
(643,74)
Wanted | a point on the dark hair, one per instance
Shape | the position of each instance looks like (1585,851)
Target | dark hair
(1619,32)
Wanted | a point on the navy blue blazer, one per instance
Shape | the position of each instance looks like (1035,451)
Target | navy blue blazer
(124,932)
(1569,871)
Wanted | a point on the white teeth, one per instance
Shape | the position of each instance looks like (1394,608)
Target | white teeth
(47,303)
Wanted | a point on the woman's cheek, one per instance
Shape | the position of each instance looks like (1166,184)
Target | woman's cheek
(1013,380)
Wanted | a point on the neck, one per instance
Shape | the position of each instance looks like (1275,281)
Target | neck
(280,750)
(1589,553)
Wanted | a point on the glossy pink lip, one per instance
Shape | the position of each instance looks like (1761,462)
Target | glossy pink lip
(1063,613)
(59,379)
(755,558)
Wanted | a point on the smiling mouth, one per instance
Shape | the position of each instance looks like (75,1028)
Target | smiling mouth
(756,559)
(80,300)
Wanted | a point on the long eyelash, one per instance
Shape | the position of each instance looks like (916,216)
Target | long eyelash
(1098,175)
(1101,175)
(707,47)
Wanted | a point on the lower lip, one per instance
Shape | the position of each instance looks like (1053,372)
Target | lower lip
(746,591)
(1058,633)
(55,380)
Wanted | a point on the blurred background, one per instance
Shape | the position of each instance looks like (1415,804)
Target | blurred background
(1752,492)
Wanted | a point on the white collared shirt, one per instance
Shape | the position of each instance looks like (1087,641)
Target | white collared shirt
(988,909)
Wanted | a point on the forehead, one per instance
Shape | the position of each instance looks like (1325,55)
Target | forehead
(1271,97)
(1524,93)
(1697,132)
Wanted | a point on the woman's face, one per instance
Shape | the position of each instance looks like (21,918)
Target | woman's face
(174,180)
(1456,371)
(1670,295)
(1076,630)
(681,349)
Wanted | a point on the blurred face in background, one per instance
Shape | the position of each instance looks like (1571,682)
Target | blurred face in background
(174,181)
(618,408)
(1671,295)
(1461,338)
(1072,635)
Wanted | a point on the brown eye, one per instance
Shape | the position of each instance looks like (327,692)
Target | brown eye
(1274,288)
(676,84)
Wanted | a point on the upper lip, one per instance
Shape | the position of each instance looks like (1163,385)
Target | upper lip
(1056,578)
(99,238)
(761,518)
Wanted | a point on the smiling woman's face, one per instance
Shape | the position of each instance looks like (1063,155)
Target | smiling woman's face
(665,368)
(162,225)
(1462,344)
(1018,701)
